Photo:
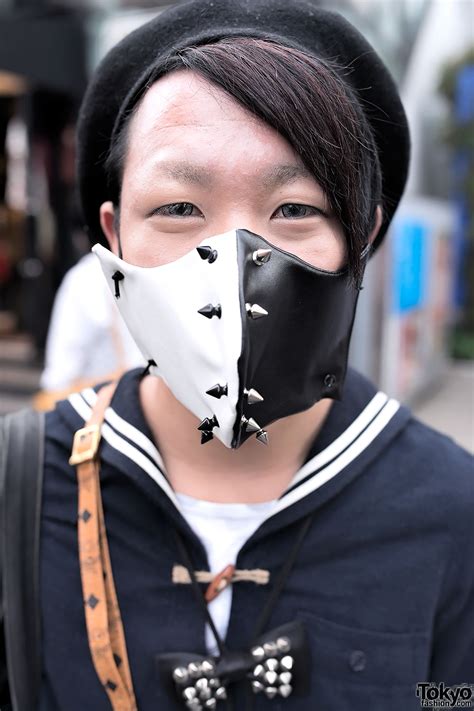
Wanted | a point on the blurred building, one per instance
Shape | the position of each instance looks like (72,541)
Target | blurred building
(409,302)
(42,79)
(47,52)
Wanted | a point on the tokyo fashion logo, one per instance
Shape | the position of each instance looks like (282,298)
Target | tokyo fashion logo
(439,696)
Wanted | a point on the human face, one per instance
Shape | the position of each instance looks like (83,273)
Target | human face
(198,164)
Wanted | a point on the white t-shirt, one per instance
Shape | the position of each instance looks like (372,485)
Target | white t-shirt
(223,530)
(87,337)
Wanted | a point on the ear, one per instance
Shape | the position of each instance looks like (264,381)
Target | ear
(377,225)
(108,223)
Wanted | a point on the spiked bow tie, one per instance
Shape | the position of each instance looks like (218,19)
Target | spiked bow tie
(276,665)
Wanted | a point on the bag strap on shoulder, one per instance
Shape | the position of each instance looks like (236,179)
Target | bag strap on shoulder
(21,485)
(105,631)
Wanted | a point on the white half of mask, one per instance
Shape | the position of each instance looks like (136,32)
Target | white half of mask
(160,306)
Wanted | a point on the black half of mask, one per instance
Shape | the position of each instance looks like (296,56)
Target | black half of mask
(296,353)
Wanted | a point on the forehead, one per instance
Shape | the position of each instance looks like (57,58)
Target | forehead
(182,94)
(183,115)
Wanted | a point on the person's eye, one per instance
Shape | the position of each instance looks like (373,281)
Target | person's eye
(178,209)
(295,211)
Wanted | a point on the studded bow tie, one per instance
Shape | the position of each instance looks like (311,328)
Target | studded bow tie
(276,665)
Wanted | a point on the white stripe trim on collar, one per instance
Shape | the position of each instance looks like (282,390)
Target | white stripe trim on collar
(121,445)
(327,464)
(133,433)
(344,440)
(347,456)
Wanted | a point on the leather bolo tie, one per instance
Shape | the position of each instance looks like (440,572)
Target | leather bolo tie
(276,664)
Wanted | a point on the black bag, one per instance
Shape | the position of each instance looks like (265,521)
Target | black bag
(21,486)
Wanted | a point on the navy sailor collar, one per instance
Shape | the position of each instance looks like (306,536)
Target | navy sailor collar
(356,432)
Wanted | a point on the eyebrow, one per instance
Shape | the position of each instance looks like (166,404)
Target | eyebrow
(187,172)
(284,174)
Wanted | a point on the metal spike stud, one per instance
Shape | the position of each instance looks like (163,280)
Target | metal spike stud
(208,667)
(270,648)
(257,653)
(221,693)
(180,675)
(194,705)
(249,424)
(257,687)
(206,437)
(217,391)
(261,256)
(194,670)
(271,664)
(262,436)
(271,678)
(189,693)
(252,426)
(210,704)
(283,644)
(117,278)
(209,310)
(271,692)
(207,253)
(285,677)
(285,690)
(208,423)
(252,396)
(287,663)
(254,311)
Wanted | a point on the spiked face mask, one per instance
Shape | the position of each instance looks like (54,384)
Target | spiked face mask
(241,332)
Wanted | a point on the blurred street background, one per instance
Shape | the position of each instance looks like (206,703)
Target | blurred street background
(414,332)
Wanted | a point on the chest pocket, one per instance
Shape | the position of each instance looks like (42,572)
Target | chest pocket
(359,670)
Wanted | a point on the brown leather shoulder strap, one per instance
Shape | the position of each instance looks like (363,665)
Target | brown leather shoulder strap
(87,439)
(103,620)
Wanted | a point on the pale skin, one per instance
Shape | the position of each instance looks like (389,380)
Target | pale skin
(197,165)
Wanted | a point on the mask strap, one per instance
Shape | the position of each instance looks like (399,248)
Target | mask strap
(278,589)
(197,591)
(283,577)
(367,251)
(364,255)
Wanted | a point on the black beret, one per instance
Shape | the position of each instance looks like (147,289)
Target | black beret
(298,23)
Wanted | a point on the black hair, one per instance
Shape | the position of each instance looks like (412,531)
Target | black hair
(309,103)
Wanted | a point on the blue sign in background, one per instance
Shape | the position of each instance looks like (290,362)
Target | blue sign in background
(409,265)
(462,164)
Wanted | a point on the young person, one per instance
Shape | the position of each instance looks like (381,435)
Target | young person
(256,527)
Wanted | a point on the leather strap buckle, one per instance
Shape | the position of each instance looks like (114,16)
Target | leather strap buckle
(85,445)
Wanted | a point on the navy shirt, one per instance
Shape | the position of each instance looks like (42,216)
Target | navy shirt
(384,581)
